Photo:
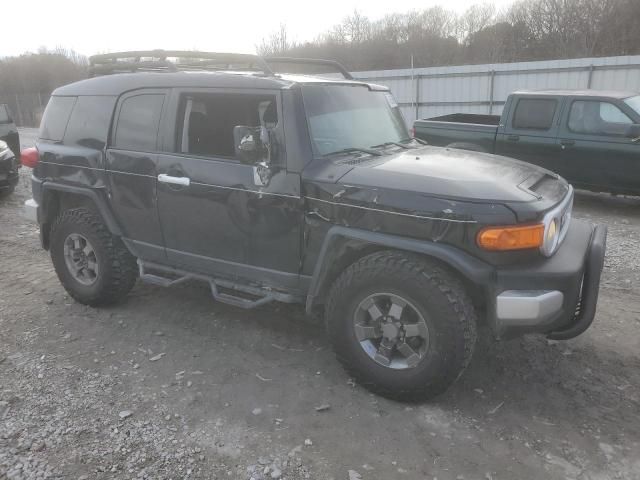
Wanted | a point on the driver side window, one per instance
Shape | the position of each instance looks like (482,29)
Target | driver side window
(598,118)
(206,121)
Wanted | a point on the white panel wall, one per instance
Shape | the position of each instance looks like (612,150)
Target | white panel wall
(468,88)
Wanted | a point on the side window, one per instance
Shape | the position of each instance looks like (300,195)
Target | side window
(597,118)
(55,118)
(138,121)
(89,122)
(534,114)
(206,121)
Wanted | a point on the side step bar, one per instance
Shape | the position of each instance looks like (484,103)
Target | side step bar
(263,295)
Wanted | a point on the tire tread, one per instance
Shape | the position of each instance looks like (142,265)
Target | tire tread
(410,266)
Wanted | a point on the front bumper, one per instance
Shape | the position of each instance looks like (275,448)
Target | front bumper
(556,296)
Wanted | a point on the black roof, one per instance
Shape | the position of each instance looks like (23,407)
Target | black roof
(580,93)
(118,83)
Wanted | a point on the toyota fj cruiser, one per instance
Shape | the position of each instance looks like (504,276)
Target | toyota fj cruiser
(306,189)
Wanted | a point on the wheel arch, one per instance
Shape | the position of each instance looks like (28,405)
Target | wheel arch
(343,246)
(58,197)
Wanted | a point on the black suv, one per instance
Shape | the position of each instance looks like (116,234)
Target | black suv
(9,149)
(306,189)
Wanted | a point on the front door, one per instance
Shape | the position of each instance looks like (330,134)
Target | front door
(596,150)
(215,217)
(530,132)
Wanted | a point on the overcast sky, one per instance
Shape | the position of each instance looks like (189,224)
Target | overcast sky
(89,27)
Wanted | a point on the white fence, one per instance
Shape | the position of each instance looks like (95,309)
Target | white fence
(429,92)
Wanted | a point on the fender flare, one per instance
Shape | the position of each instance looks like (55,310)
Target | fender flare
(474,270)
(93,194)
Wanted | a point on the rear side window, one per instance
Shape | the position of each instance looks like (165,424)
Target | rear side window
(4,114)
(89,122)
(55,119)
(534,113)
(138,122)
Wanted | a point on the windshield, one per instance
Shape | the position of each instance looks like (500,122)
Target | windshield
(343,117)
(634,102)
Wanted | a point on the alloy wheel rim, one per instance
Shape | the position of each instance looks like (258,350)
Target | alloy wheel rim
(391,331)
(80,258)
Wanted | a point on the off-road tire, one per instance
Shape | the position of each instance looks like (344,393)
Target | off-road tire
(117,267)
(432,289)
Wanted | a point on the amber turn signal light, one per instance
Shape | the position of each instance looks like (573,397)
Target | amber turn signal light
(512,237)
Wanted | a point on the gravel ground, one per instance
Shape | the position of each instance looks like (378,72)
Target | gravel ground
(172,385)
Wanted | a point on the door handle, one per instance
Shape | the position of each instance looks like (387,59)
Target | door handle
(513,138)
(566,143)
(184,181)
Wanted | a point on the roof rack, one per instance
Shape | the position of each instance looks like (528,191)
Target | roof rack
(158,61)
(311,61)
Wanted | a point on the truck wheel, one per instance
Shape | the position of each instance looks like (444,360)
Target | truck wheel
(94,267)
(402,326)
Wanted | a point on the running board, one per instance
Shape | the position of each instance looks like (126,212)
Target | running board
(263,295)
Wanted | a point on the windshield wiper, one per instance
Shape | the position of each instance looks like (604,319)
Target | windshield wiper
(354,149)
(386,144)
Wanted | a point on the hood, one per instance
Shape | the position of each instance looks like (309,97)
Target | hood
(453,173)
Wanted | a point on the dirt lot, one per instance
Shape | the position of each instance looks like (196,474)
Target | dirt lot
(173,385)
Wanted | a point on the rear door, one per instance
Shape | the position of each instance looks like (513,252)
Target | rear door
(215,218)
(530,131)
(131,170)
(594,146)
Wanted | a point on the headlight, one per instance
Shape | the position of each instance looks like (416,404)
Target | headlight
(3,146)
(556,222)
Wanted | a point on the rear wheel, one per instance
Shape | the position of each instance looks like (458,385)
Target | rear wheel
(401,325)
(93,265)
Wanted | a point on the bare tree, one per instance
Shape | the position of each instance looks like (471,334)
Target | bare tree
(276,44)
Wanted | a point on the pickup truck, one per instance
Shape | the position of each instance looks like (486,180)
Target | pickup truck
(589,137)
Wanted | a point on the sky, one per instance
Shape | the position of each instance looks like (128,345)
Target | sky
(90,27)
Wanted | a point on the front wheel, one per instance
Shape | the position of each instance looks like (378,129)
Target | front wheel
(401,325)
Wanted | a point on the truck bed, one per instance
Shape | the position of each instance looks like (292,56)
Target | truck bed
(475,118)
(460,130)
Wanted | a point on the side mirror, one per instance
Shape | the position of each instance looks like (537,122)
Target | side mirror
(633,132)
(252,144)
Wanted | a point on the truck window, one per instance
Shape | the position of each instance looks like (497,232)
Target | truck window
(55,118)
(89,122)
(534,114)
(138,121)
(206,121)
(597,118)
